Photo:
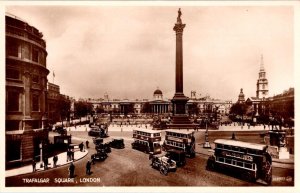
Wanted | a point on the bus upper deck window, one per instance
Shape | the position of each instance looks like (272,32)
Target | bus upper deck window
(248,165)
(228,161)
(252,151)
(241,164)
(235,148)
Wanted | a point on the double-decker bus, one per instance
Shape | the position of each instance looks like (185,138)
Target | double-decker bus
(249,160)
(181,140)
(147,140)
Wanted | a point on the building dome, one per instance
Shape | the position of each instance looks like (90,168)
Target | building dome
(157,91)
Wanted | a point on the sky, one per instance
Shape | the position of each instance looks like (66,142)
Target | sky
(128,52)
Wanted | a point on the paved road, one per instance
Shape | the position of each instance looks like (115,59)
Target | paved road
(127,167)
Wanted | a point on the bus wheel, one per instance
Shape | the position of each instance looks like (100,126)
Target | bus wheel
(210,166)
(268,179)
(248,177)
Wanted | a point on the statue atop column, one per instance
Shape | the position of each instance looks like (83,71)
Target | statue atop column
(179,15)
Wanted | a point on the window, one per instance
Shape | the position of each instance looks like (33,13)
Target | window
(35,78)
(228,161)
(241,164)
(13,101)
(220,159)
(16,146)
(11,125)
(25,51)
(12,74)
(252,151)
(248,165)
(12,48)
(35,102)
(220,146)
(35,55)
(235,148)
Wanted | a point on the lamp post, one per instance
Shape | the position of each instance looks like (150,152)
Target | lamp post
(41,154)
(206,144)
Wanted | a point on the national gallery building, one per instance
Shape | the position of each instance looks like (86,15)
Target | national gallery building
(158,105)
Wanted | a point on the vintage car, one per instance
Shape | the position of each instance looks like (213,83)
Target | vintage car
(105,146)
(61,130)
(97,132)
(101,155)
(117,143)
(163,164)
(97,140)
(176,155)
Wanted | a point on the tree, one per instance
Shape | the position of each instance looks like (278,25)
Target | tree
(64,106)
(239,109)
(82,109)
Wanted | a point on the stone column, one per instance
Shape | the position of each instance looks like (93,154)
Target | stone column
(178,28)
(27,101)
(179,100)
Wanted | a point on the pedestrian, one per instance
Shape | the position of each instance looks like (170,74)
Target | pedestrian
(88,167)
(87,144)
(45,163)
(68,155)
(55,159)
(233,136)
(93,159)
(33,165)
(71,170)
(81,146)
(72,155)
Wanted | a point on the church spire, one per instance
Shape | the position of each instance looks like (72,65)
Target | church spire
(262,63)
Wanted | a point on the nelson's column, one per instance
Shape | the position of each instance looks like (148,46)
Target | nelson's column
(180,117)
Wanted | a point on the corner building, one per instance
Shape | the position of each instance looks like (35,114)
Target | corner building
(26,89)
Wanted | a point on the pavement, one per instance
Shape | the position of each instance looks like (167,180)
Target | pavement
(62,160)
(62,157)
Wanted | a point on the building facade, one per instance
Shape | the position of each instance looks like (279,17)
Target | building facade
(53,97)
(26,90)
(160,106)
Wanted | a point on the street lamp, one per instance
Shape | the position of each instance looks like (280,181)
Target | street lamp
(206,144)
(41,154)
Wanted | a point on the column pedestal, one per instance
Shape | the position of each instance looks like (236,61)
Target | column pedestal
(283,153)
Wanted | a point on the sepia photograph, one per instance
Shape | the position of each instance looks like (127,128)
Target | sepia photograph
(149,95)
